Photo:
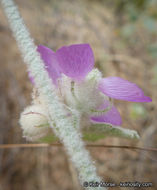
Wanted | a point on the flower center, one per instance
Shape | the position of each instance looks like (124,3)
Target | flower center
(84,95)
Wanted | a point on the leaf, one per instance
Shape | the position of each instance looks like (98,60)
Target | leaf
(101,131)
(49,139)
(90,136)
(96,132)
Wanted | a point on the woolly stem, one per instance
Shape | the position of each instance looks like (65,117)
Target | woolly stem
(64,129)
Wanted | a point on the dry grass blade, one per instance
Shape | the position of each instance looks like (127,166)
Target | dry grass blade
(41,145)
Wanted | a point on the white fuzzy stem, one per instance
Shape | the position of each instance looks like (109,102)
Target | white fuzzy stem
(64,128)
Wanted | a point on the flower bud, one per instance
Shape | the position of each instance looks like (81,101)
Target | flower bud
(33,121)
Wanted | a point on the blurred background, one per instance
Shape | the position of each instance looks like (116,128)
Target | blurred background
(123,36)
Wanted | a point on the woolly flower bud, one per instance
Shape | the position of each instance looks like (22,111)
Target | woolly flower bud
(34,122)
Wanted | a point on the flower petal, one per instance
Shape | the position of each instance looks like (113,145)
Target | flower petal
(118,88)
(76,61)
(51,63)
(112,116)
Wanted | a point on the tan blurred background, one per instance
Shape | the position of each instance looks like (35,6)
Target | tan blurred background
(123,36)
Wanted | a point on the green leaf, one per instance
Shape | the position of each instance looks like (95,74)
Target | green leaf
(49,139)
(101,131)
(90,136)
(98,131)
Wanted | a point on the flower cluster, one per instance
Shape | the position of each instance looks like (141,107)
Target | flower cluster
(81,88)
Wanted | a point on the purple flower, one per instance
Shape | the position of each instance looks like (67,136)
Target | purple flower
(83,88)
